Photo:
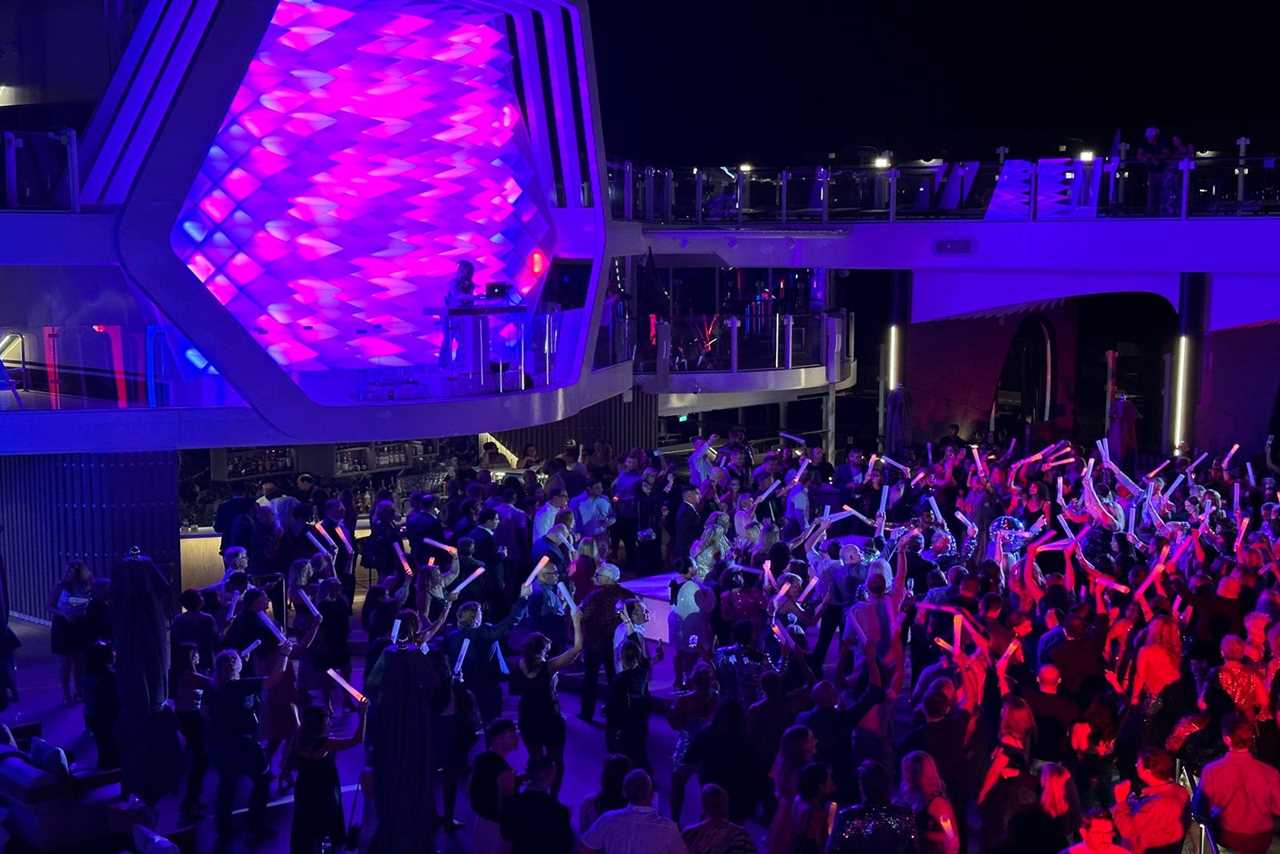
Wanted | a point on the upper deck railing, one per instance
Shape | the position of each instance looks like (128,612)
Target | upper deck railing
(1084,187)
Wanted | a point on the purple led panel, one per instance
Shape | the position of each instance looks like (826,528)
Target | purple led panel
(371,146)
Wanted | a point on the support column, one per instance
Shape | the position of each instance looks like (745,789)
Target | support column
(893,364)
(1193,302)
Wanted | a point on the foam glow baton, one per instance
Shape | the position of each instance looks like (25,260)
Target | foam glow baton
(792,437)
(1133,515)
(1198,461)
(977,458)
(271,626)
(957,630)
(946,647)
(826,511)
(858,515)
(764,495)
(1235,498)
(395,631)
(871,464)
(319,529)
(1155,471)
(1248,467)
(937,514)
(836,517)
(1155,570)
(804,464)
(568,600)
(1102,451)
(1062,461)
(768,575)
(435,544)
(919,477)
(899,466)
(1226,461)
(1106,581)
(786,587)
(470,578)
(1009,650)
(964,520)
(404,563)
(831,818)
(462,655)
(248,650)
(884,497)
(537,569)
(1244,528)
(346,543)
(307,603)
(1062,520)
(346,686)
(316,543)
(813,582)
(1174,488)
(928,449)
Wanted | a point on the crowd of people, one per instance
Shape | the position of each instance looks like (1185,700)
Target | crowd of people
(965,647)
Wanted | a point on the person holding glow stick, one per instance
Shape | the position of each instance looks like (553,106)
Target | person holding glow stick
(533,678)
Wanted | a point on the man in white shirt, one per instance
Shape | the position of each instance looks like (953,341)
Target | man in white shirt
(636,828)
(557,501)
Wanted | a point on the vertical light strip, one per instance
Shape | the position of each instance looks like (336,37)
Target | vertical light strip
(1180,394)
(893,356)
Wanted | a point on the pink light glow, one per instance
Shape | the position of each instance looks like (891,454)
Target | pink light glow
(368,150)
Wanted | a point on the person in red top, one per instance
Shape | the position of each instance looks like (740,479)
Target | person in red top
(1156,820)
(1239,795)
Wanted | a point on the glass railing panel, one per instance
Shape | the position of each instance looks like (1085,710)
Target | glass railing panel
(613,339)
(36,170)
(719,195)
(616,177)
(858,193)
(805,190)
(762,190)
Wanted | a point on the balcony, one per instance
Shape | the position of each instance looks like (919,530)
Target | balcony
(1008,190)
(704,362)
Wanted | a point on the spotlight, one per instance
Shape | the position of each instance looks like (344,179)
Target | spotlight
(745,167)
(881,162)
(1086,156)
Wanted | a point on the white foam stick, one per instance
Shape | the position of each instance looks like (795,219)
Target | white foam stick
(831,818)
(1062,497)
(1106,581)
(884,498)
(871,464)
(1133,514)
(792,437)
(444,547)
(1235,498)
(1102,451)
(1155,571)
(957,630)
(319,529)
(804,464)
(899,466)
(248,650)
(765,495)
(1062,520)
(808,588)
(937,514)
(316,543)
(945,646)
(1226,461)
(1064,461)
(537,569)
(1244,528)
(977,458)
(826,511)
(404,562)
(928,449)
(345,685)
(271,626)
(568,599)
(1191,468)
(964,520)
(782,591)
(1055,546)
(836,517)
(1088,468)
(919,477)
(1064,451)
(346,543)
(768,575)
(307,603)
(1155,471)
(1248,467)
(1009,650)
(470,578)
(858,515)
(395,631)
(1177,481)
(462,655)
(1037,527)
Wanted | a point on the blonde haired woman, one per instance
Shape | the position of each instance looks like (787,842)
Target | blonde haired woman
(923,793)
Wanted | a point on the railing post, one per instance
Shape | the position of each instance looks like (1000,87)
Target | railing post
(1001,153)
(1243,142)
(628,190)
(733,324)
(649,173)
(893,195)
(698,191)
(824,191)
(10,170)
(73,169)
(669,185)
(784,176)
(1120,171)
(663,335)
(777,340)
(1186,165)
(788,338)
(742,194)
(1035,189)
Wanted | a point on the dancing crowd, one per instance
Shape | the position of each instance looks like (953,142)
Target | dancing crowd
(952,647)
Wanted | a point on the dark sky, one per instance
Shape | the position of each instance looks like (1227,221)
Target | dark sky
(778,82)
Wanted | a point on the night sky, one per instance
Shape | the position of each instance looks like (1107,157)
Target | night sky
(787,82)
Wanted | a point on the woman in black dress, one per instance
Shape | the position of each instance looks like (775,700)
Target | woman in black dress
(317,799)
(70,635)
(534,678)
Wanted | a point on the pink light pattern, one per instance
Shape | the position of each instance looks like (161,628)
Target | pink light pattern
(372,145)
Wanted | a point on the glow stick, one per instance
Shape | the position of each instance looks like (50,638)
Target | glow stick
(929,606)
(1155,471)
(957,630)
(316,543)
(1168,493)
(919,477)
(266,620)
(884,497)
(826,511)
(928,449)
(871,463)
(307,603)
(1037,527)
(404,563)
(1235,498)
(319,529)
(1088,469)
(768,575)
(462,655)
(977,458)
(537,569)
(1155,570)
(1056,546)
(1198,461)
(899,466)
(792,437)
(1244,527)
(831,818)
(435,544)
(248,650)
(1064,450)
(776,629)
(342,535)
(1133,514)
(1062,520)
(470,578)
(786,587)
(1102,451)
(836,517)
(395,631)
(1248,467)
(1105,581)
(946,647)
(568,600)
(346,686)
(1064,461)
(804,464)
(764,495)
(937,514)
(813,582)
(1014,646)
(858,515)
(1226,461)
(964,520)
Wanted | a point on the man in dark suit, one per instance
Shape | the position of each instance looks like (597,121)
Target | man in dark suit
(487,550)
(554,546)
(422,522)
(335,529)
(688,526)
(234,517)
(483,667)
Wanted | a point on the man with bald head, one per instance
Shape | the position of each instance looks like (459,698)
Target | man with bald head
(1054,712)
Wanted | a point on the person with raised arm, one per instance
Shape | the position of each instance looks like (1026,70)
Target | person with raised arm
(534,678)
